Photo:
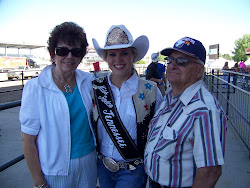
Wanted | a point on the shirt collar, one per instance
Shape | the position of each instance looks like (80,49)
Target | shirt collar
(189,93)
(131,83)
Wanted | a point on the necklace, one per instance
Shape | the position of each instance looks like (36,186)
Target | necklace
(67,87)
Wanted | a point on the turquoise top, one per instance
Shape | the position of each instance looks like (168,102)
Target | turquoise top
(81,138)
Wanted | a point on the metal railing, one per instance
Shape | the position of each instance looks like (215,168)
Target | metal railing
(20,81)
(21,157)
(235,99)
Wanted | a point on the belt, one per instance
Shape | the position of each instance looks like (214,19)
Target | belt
(114,166)
(154,184)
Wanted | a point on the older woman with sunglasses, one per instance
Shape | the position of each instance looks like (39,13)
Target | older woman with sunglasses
(123,107)
(57,137)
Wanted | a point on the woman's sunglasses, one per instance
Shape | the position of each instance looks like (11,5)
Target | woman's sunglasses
(180,61)
(63,51)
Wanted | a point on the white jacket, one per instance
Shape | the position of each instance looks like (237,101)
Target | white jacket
(44,112)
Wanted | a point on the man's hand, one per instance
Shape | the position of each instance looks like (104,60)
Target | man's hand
(207,177)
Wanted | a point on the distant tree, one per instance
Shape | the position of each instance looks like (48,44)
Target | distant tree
(226,56)
(140,62)
(240,50)
(161,58)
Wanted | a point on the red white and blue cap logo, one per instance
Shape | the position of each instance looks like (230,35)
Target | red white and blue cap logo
(188,46)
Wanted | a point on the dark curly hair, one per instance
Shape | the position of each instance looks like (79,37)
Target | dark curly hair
(69,33)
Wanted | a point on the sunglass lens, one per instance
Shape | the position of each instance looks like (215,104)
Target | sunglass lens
(181,62)
(77,52)
(62,51)
(169,60)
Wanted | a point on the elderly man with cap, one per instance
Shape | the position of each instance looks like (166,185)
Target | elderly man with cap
(186,139)
(154,73)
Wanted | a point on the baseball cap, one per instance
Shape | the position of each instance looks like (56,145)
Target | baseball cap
(188,46)
(154,57)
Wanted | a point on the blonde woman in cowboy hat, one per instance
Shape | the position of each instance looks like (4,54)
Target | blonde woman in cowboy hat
(123,106)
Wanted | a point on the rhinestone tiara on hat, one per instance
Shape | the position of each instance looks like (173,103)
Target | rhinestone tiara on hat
(117,36)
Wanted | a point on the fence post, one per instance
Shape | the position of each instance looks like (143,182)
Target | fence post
(228,92)
(22,79)
(217,92)
(212,88)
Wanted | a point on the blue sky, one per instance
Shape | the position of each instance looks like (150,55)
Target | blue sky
(162,21)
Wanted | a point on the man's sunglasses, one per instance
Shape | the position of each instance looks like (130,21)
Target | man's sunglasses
(180,61)
(63,51)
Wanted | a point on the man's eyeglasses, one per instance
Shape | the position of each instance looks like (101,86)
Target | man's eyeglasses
(63,51)
(180,61)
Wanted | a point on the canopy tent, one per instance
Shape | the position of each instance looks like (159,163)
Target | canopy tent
(218,63)
(18,46)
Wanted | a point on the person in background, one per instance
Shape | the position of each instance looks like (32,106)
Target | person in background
(152,73)
(58,141)
(242,66)
(123,107)
(235,68)
(186,138)
(161,71)
(225,74)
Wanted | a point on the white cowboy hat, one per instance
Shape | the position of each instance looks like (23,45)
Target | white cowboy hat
(118,37)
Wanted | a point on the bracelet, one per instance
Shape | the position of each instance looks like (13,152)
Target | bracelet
(40,186)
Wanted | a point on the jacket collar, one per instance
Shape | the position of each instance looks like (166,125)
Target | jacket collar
(45,78)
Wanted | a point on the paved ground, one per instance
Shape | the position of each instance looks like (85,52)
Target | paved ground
(236,171)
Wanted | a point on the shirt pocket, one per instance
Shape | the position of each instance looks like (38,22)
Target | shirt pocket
(130,110)
(167,143)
